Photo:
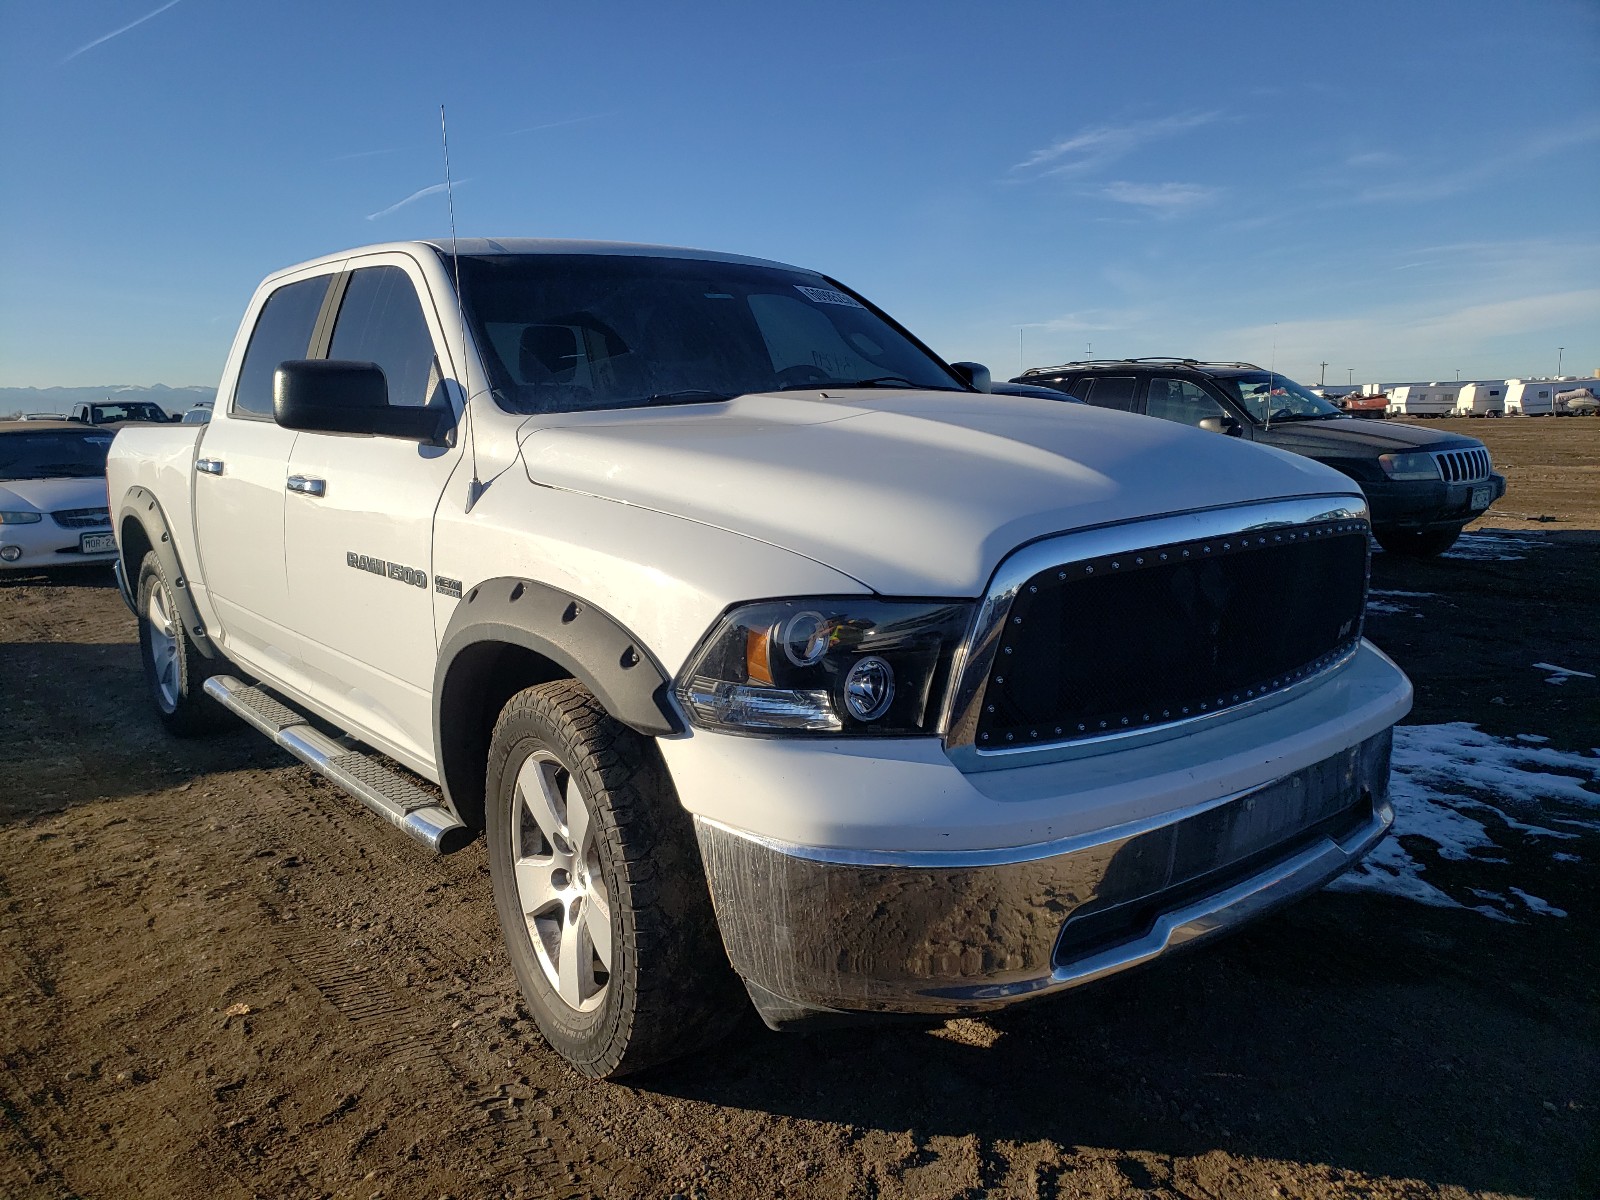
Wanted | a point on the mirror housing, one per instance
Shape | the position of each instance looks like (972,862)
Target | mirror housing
(974,375)
(336,396)
(1225,425)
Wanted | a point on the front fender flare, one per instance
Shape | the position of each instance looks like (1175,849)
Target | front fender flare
(583,640)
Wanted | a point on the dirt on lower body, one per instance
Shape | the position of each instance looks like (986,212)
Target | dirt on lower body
(221,977)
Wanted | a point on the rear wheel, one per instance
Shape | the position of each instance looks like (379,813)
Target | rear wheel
(599,887)
(174,668)
(1416,543)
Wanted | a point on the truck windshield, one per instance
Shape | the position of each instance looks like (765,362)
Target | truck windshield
(137,410)
(52,454)
(569,332)
(1267,396)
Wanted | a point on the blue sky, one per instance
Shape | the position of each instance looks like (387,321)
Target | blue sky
(1401,189)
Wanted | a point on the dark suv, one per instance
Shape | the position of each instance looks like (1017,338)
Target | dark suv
(1422,485)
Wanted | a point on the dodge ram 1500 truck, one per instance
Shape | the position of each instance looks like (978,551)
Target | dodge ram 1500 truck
(762,645)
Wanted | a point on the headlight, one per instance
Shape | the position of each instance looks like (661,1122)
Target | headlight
(20,518)
(1409,466)
(825,666)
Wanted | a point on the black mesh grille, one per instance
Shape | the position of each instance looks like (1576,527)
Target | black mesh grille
(1153,636)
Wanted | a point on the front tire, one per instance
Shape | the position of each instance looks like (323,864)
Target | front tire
(1416,543)
(599,888)
(174,668)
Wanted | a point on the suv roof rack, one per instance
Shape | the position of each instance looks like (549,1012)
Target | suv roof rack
(1092,363)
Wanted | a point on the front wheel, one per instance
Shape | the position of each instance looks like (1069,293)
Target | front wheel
(599,887)
(1416,543)
(174,668)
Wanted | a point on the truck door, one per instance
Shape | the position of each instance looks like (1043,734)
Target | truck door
(359,522)
(238,484)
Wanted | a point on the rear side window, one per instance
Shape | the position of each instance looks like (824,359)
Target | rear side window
(1109,391)
(381,321)
(282,332)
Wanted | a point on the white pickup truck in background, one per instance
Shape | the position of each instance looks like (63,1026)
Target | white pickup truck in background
(752,635)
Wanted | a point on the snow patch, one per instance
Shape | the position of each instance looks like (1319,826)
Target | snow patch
(1559,675)
(1471,795)
(1489,546)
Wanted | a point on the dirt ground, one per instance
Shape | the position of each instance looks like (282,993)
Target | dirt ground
(219,977)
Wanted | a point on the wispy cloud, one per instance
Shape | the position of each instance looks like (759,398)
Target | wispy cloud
(1162,199)
(1421,182)
(1099,145)
(118,32)
(556,124)
(431,190)
(365,154)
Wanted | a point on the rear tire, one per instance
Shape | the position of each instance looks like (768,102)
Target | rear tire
(599,888)
(174,668)
(1416,543)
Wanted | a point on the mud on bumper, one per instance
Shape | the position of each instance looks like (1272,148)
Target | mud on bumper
(821,935)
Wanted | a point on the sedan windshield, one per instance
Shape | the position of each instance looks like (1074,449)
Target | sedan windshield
(1266,396)
(53,454)
(569,332)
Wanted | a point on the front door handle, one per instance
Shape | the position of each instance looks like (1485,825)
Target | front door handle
(306,485)
(211,466)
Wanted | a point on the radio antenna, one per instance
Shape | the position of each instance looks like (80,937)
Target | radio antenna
(475,488)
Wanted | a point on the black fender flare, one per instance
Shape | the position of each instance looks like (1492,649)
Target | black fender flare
(577,638)
(141,505)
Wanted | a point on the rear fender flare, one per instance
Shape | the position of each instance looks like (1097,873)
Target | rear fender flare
(140,505)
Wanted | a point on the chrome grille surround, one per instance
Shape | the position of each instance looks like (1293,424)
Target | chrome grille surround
(1278,518)
(1463,466)
(83,518)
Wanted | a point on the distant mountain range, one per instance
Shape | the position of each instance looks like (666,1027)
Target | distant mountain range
(15,400)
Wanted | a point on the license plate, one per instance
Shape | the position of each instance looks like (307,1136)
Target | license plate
(1481,496)
(97,543)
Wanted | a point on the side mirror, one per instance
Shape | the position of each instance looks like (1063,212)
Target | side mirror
(974,375)
(1225,425)
(335,396)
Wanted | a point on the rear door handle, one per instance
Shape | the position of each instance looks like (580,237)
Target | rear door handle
(211,466)
(306,485)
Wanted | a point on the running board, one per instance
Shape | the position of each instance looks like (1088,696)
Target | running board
(393,797)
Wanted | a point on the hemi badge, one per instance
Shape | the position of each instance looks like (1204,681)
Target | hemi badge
(450,587)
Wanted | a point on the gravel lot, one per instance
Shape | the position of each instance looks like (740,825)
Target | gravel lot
(220,977)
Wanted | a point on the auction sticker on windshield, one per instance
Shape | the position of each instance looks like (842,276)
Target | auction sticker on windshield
(828,296)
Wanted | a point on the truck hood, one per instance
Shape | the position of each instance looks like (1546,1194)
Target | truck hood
(911,493)
(52,495)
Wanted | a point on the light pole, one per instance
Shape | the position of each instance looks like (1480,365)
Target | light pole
(1458,374)
(1322,379)
(1350,376)
(1560,350)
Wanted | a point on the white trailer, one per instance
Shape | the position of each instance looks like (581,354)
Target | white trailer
(1531,397)
(1423,400)
(1482,399)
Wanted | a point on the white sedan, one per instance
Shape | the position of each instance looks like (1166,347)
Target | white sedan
(53,510)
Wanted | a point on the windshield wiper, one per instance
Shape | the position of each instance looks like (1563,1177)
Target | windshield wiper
(688,396)
(876,381)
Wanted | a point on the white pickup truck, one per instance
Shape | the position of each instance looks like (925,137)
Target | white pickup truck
(751,634)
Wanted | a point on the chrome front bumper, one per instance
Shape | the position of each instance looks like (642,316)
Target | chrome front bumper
(819,934)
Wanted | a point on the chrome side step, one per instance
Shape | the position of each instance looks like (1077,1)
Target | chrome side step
(394,798)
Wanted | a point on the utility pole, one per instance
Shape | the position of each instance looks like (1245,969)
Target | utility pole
(1350,376)
(1560,350)
(1458,374)
(1322,380)
(1088,352)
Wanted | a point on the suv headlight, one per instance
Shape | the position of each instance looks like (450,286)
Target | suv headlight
(1409,466)
(20,518)
(832,666)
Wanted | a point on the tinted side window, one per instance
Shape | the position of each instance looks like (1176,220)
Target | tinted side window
(282,332)
(380,321)
(1110,391)
(1180,400)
